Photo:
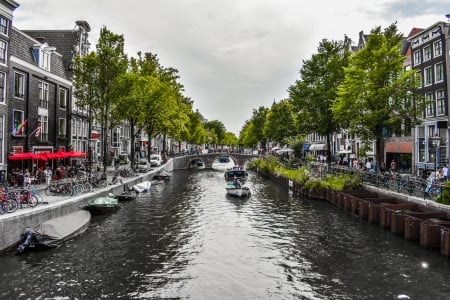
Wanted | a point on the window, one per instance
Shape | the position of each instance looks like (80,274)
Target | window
(440,102)
(427,76)
(43,94)
(3,47)
(44,60)
(439,72)
(18,123)
(62,127)
(430,104)
(437,46)
(4,24)
(62,98)
(74,127)
(427,53)
(2,87)
(44,128)
(417,58)
(19,85)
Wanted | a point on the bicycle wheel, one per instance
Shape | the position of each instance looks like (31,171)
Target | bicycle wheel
(12,205)
(103,183)
(48,191)
(32,201)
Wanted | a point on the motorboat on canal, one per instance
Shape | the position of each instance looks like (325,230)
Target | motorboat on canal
(236,172)
(103,205)
(236,188)
(197,164)
(54,232)
(223,163)
(143,187)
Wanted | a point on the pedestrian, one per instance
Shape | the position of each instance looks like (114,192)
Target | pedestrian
(26,178)
(445,171)
(368,165)
(393,165)
(48,175)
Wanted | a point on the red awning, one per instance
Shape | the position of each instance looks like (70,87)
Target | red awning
(24,156)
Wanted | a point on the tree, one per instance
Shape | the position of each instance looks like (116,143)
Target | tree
(314,94)
(252,132)
(94,78)
(217,128)
(279,121)
(377,91)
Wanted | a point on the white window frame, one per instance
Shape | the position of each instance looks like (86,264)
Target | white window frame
(4,25)
(427,53)
(19,85)
(62,98)
(437,47)
(43,94)
(430,106)
(44,128)
(3,52)
(427,76)
(44,59)
(439,72)
(62,127)
(440,102)
(417,58)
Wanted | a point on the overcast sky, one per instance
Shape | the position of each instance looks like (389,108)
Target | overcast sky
(233,56)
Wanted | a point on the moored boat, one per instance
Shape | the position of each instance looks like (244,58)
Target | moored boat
(103,205)
(126,196)
(164,175)
(143,187)
(236,172)
(237,189)
(54,232)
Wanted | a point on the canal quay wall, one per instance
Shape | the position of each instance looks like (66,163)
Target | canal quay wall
(416,219)
(13,225)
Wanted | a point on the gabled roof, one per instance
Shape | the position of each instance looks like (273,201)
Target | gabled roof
(64,41)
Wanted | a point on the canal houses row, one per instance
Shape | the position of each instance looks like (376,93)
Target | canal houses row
(414,148)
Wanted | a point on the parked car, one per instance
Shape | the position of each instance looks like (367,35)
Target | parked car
(155,160)
(143,165)
(122,159)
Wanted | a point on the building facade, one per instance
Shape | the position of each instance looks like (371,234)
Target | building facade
(430,58)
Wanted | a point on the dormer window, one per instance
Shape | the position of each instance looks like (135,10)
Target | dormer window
(42,55)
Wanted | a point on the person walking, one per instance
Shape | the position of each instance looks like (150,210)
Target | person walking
(48,175)
(393,165)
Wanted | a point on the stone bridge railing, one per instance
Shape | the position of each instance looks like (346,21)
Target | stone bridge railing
(184,162)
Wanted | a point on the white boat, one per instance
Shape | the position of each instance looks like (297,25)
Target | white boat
(236,189)
(236,172)
(223,163)
(143,187)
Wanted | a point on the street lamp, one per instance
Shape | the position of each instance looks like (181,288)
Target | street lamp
(436,142)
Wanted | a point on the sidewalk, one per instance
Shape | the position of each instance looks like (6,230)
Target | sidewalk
(46,201)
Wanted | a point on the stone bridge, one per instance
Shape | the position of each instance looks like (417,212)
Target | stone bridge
(184,162)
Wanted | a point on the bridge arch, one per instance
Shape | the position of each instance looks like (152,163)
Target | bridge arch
(184,162)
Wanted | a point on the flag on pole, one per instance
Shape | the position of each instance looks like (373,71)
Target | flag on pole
(20,129)
(38,130)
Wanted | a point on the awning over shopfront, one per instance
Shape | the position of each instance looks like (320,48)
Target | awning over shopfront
(306,147)
(318,147)
(344,152)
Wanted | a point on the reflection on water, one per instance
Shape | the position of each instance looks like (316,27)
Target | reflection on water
(189,240)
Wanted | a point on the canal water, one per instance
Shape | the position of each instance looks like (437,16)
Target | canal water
(188,240)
